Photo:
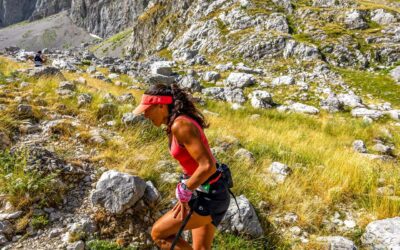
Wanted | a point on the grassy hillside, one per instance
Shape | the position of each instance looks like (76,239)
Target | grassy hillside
(328,176)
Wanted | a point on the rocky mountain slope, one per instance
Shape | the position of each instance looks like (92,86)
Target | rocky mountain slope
(56,31)
(16,11)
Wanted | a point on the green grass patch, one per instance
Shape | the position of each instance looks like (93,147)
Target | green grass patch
(379,84)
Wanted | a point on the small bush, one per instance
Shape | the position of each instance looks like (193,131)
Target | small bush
(39,222)
(106,245)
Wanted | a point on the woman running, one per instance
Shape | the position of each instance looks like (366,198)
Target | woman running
(201,189)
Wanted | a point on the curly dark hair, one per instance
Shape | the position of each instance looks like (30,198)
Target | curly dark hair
(182,104)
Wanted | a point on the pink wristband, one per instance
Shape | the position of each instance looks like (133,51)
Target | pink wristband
(182,194)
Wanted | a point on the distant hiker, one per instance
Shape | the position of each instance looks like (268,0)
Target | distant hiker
(202,193)
(39,59)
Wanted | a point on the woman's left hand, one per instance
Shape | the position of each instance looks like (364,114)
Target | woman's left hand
(181,209)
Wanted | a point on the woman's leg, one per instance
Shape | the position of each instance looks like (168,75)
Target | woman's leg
(165,229)
(203,237)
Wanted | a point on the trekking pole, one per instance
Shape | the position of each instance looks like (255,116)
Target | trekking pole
(183,225)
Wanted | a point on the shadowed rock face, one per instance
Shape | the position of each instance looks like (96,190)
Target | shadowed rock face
(12,11)
(105,18)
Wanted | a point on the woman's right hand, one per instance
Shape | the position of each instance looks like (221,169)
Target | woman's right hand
(181,209)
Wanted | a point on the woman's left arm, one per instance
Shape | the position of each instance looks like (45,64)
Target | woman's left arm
(189,135)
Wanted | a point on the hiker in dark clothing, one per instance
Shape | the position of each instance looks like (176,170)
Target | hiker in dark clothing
(39,59)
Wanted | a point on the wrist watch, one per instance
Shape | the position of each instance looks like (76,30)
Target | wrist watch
(184,187)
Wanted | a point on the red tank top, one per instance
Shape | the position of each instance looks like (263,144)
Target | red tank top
(180,153)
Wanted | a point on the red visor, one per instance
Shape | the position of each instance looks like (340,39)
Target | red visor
(148,100)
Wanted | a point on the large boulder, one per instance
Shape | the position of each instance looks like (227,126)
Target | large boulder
(243,221)
(239,80)
(331,104)
(277,22)
(234,95)
(63,64)
(161,68)
(130,119)
(283,80)
(279,171)
(350,100)
(382,234)
(261,99)
(116,191)
(190,83)
(211,76)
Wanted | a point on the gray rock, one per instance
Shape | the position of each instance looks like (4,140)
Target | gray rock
(239,80)
(350,100)
(382,17)
(234,95)
(381,148)
(161,68)
(6,227)
(25,110)
(10,216)
(55,232)
(299,108)
(151,194)
(277,22)
(279,171)
(45,72)
(84,99)
(131,119)
(157,78)
(113,76)
(355,20)
(283,80)
(190,83)
(126,98)
(286,4)
(117,191)
(79,245)
(65,85)
(243,221)
(109,97)
(337,242)
(211,76)
(394,114)
(63,64)
(217,93)
(359,146)
(244,155)
(170,177)
(261,99)
(3,239)
(395,73)
(364,112)
(331,104)
(301,51)
(382,234)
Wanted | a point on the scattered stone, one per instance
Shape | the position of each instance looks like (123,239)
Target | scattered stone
(395,73)
(25,111)
(359,146)
(234,95)
(381,148)
(55,232)
(382,17)
(299,108)
(331,104)
(10,216)
(337,242)
(84,99)
(261,99)
(362,112)
(290,218)
(80,80)
(239,80)
(170,177)
(355,20)
(46,72)
(126,98)
(190,83)
(283,80)
(3,239)
(113,76)
(382,234)
(91,69)
(245,155)
(279,171)
(6,227)
(350,100)
(211,76)
(130,119)
(161,68)
(79,245)
(63,64)
(117,191)
(246,223)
